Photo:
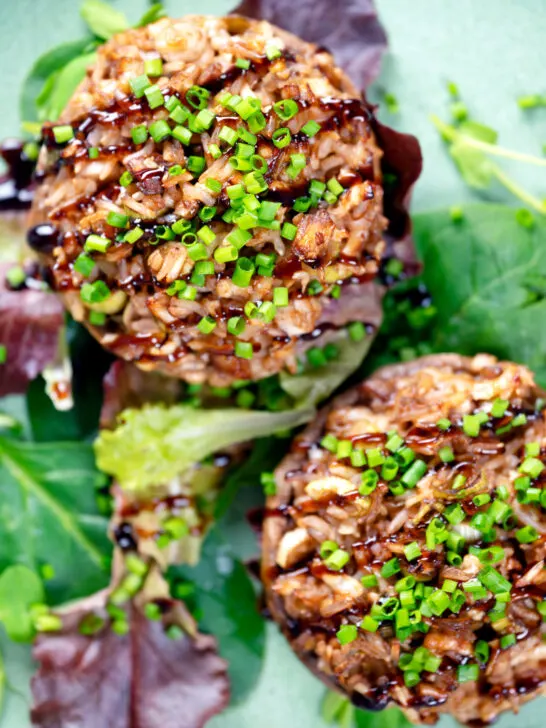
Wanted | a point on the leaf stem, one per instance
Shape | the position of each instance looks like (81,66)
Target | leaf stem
(518,191)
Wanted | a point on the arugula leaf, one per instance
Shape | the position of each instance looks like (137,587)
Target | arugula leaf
(43,71)
(485,273)
(20,588)
(49,515)
(103,20)
(152,445)
(228,607)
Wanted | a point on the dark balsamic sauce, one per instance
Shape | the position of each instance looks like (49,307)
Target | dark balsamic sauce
(16,190)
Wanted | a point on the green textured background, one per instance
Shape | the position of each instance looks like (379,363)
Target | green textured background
(494,50)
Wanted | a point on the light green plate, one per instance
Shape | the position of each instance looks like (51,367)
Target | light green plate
(494,51)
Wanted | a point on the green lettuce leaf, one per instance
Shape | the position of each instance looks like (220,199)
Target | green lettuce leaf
(103,20)
(154,444)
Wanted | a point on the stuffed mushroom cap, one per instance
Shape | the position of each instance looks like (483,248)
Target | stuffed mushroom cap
(210,201)
(404,547)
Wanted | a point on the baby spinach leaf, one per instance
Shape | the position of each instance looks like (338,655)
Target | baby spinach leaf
(49,515)
(44,70)
(482,273)
(227,606)
(103,20)
(20,588)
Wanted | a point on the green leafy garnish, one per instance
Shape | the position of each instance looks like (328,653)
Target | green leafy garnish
(20,589)
(49,514)
(154,444)
(497,298)
(222,594)
(472,146)
(155,12)
(103,20)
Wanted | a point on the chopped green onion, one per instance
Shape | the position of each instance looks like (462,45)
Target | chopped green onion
(153,66)
(327,548)
(358,458)
(390,568)
(414,474)
(213,185)
(310,129)
(289,231)
(493,580)
(139,84)
(198,252)
(302,204)
(280,296)
(527,534)
(347,633)
(472,424)
(412,551)
(97,243)
(446,454)
(204,119)
(181,134)
(329,442)
(454,513)
(273,50)
(436,533)
(285,109)
(507,641)
(244,270)
(176,170)
(206,325)
(369,580)
(532,466)
(197,97)
(335,187)
(243,63)
(95,292)
(337,560)
(281,137)
(207,213)
(93,152)
(159,130)
(117,220)
(244,350)
(155,98)
(196,165)
(226,254)
(468,672)
(370,480)
(297,163)
(84,265)
(443,424)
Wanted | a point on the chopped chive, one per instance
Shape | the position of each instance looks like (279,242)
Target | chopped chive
(95,292)
(244,350)
(337,560)
(414,474)
(285,109)
(153,66)
(243,63)
(117,219)
(197,97)
(446,454)
(508,640)
(281,137)
(181,134)
(154,96)
(347,633)
(280,296)
(310,128)
(468,672)
(139,84)
(390,568)
(206,325)
(327,548)
(527,534)
(213,185)
(412,551)
(289,231)
(97,243)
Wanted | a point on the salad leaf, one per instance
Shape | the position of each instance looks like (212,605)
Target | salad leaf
(49,515)
(30,321)
(223,595)
(471,145)
(143,678)
(154,444)
(52,103)
(486,273)
(45,70)
(315,385)
(350,30)
(155,12)
(103,20)
(20,588)
(390,718)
